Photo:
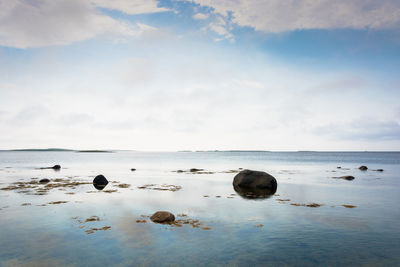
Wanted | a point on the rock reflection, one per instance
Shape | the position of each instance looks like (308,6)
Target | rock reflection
(254,193)
(98,186)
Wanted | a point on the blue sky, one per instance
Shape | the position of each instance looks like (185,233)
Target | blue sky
(201,74)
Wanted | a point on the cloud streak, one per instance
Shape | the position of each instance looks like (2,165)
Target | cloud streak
(25,24)
(275,16)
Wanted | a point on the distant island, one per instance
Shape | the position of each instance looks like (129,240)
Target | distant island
(43,149)
(57,150)
(95,151)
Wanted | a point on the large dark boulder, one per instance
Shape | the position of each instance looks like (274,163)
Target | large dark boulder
(255,179)
(44,181)
(254,184)
(363,168)
(162,217)
(99,182)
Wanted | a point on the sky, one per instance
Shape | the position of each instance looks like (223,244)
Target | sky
(279,75)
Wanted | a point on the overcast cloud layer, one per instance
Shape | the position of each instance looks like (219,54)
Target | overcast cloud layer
(148,75)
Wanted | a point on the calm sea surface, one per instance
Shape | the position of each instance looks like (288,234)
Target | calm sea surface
(70,223)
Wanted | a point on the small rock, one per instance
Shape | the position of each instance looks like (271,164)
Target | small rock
(133,169)
(162,217)
(363,168)
(378,170)
(44,181)
(347,177)
(56,167)
(196,170)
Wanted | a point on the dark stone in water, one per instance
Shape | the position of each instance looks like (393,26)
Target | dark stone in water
(162,217)
(55,167)
(378,170)
(44,181)
(133,169)
(255,179)
(99,182)
(347,177)
(254,184)
(363,168)
(196,170)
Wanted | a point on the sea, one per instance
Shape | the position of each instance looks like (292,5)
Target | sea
(315,218)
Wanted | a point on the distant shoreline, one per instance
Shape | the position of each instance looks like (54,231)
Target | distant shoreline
(180,151)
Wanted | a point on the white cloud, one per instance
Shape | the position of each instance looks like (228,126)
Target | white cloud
(25,24)
(287,15)
(201,16)
(130,7)
(221,27)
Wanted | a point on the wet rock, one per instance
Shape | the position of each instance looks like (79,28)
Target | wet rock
(55,167)
(196,170)
(311,205)
(346,177)
(124,185)
(162,217)
(44,181)
(378,170)
(99,182)
(349,206)
(255,179)
(133,169)
(363,168)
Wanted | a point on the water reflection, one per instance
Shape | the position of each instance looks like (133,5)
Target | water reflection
(254,193)
(99,186)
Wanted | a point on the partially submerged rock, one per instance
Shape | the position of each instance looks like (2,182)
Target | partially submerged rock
(363,168)
(346,177)
(55,167)
(133,169)
(310,205)
(255,179)
(378,170)
(124,185)
(99,182)
(162,217)
(196,170)
(44,181)
(163,187)
(254,184)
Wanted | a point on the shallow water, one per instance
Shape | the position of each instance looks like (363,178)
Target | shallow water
(34,232)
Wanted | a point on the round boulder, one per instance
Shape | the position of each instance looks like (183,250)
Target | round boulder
(100,182)
(254,184)
(44,181)
(255,179)
(162,217)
